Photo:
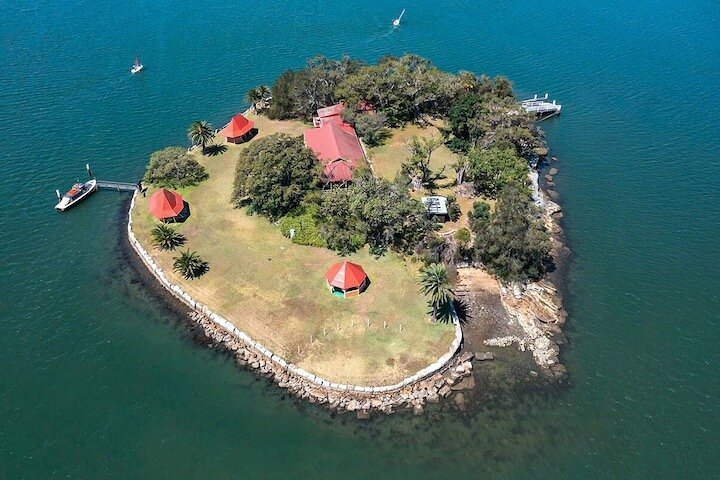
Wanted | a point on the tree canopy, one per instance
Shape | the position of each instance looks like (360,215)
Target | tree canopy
(274,174)
(492,169)
(173,167)
(513,242)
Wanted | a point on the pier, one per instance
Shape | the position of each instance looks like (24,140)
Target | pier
(117,186)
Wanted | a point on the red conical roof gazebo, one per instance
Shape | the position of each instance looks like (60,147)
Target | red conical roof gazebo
(237,129)
(166,205)
(346,279)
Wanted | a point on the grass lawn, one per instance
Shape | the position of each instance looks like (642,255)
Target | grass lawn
(388,158)
(275,290)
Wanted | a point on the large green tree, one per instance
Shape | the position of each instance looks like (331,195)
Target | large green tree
(513,243)
(492,169)
(436,285)
(200,133)
(274,174)
(417,167)
(173,167)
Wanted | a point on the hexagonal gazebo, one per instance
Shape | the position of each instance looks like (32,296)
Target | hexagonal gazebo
(346,279)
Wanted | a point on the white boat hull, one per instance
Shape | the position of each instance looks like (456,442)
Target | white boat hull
(137,69)
(67,202)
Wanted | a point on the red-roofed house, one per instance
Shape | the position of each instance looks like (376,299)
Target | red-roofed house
(336,145)
(238,129)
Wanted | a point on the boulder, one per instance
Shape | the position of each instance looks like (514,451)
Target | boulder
(418,410)
(444,391)
(362,414)
(433,398)
(466,356)
(553,171)
(549,178)
(484,356)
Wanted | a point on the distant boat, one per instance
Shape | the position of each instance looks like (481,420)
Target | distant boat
(137,66)
(77,193)
(396,22)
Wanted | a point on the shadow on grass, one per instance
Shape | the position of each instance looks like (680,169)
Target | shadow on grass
(216,149)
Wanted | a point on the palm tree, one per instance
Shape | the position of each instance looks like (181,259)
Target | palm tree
(436,286)
(200,133)
(165,237)
(257,96)
(190,265)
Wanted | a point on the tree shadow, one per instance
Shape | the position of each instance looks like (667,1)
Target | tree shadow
(216,149)
(461,310)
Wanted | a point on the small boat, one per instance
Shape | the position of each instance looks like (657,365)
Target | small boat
(541,106)
(396,22)
(137,66)
(77,193)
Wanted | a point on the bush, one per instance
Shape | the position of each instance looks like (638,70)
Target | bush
(173,167)
(479,215)
(307,230)
(463,236)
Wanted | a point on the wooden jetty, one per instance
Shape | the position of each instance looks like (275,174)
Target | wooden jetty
(118,186)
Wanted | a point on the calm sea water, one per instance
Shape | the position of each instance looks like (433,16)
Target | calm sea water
(97,380)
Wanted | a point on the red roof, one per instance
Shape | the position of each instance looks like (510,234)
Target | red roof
(237,127)
(338,171)
(165,204)
(332,142)
(345,275)
(331,111)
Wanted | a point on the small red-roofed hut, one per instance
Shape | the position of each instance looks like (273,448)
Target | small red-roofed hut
(166,205)
(346,279)
(238,130)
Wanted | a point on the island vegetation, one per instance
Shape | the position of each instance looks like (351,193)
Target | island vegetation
(270,222)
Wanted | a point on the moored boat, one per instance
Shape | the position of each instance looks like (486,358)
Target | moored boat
(76,194)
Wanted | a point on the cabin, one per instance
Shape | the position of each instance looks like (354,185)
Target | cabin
(436,206)
(335,143)
(238,130)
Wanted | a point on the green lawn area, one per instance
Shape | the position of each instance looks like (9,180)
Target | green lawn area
(275,290)
(388,158)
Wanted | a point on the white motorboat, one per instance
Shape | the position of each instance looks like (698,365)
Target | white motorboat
(137,66)
(77,193)
(541,106)
(396,22)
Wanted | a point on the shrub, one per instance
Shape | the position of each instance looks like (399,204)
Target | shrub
(307,230)
(173,167)
(463,236)
(479,215)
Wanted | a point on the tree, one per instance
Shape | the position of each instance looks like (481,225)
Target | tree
(200,133)
(492,169)
(479,216)
(435,284)
(514,243)
(254,96)
(165,237)
(372,128)
(274,174)
(282,105)
(173,167)
(460,167)
(418,166)
(190,265)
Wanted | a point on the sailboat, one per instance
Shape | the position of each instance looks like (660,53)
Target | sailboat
(396,22)
(137,66)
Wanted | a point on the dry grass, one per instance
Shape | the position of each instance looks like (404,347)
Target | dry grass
(388,158)
(275,290)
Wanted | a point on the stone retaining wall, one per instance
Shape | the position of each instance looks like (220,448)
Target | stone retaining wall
(287,374)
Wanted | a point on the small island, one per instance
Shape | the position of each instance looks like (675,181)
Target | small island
(331,236)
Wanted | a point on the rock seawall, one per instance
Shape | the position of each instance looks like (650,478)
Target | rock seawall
(427,385)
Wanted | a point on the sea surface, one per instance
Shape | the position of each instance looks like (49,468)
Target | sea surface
(99,380)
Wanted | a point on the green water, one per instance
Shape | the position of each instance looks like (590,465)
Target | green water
(98,380)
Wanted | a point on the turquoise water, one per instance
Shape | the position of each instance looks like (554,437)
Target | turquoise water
(98,380)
